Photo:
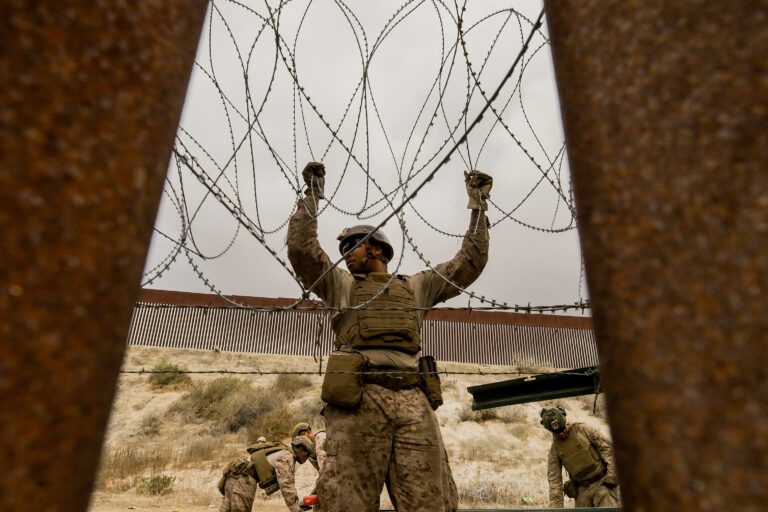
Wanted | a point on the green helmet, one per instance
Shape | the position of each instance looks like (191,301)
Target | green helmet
(299,429)
(553,419)
(304,442)
(355,233)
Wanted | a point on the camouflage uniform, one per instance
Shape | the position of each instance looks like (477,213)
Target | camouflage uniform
(320,455)
(238,485)
(284,464)
(393,437)
(599,493)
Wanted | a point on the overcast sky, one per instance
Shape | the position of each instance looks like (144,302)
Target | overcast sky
(411,57)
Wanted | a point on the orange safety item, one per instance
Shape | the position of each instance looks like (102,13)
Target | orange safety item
(310,500)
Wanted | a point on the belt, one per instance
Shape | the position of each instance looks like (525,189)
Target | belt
(592,480)
(391,378)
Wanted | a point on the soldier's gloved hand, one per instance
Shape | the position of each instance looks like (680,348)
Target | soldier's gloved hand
(569,488)
(314,178)
(478,189)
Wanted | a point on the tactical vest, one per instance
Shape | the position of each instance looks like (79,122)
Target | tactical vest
(393,329)
(580,459)
(265,473)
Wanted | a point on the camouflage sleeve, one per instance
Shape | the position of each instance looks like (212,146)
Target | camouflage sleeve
(284,468)
(307,257)
(320,450)
(555,477)
(605,449)
(465,267)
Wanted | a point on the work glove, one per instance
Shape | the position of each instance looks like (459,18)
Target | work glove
(314,178)
(478,189)
(570,489)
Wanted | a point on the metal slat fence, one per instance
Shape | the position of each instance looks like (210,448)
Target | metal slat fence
(232,329)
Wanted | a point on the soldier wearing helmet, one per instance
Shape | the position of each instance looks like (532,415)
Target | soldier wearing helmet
(318,440)
(587,457)
(374,384)
(275,467)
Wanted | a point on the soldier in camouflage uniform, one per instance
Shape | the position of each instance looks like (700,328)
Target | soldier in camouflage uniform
(318,439)
(382,428)
(238,486)
(276,467)
(586,455)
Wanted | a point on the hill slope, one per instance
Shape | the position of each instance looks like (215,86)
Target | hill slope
(166,444)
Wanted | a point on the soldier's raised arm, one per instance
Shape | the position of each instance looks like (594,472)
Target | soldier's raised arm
(467,265)
(307,257)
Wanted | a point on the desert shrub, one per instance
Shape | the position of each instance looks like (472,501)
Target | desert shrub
(168,375)
(467,414)
(490,489)
(478,450)
(288,385)
(510,414)
(155,485)
(133,460)
(233,404)
(202,449)
(150,425)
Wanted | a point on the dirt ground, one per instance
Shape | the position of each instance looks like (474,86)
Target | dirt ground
(492,460)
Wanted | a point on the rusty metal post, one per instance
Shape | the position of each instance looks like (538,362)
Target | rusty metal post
(665,106)
(92,91)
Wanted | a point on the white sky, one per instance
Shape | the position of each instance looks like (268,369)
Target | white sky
(525,266)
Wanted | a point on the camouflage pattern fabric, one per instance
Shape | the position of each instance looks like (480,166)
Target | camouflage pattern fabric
(239,493)
(602,493)
(285,469)
(393,438)
(320,455)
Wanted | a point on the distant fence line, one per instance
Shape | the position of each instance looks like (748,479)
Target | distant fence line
(489,338)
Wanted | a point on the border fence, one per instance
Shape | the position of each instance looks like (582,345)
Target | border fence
(206,322)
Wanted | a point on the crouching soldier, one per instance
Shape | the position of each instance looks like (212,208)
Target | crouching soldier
(586,455)
(238,486)
(276,467)
(318,440)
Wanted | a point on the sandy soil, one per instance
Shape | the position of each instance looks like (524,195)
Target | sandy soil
(494,456)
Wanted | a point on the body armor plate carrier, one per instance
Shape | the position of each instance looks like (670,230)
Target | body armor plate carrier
(391,329)
(580,458)
(266,474)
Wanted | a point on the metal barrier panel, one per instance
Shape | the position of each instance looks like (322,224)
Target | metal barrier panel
(665,108)
(92,93)
(294,333)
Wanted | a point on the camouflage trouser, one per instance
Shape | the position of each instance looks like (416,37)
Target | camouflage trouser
(392,438)
(239,493)
(597,495)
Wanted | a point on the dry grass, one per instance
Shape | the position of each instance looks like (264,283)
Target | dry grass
(498,456)
(169,376)
(509,414)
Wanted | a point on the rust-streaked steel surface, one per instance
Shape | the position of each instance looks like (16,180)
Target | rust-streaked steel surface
(665,106)
(91,95)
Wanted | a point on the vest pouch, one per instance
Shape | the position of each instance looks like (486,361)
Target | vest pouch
(343,382)
(580,463)
(265,473)
(430,381)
